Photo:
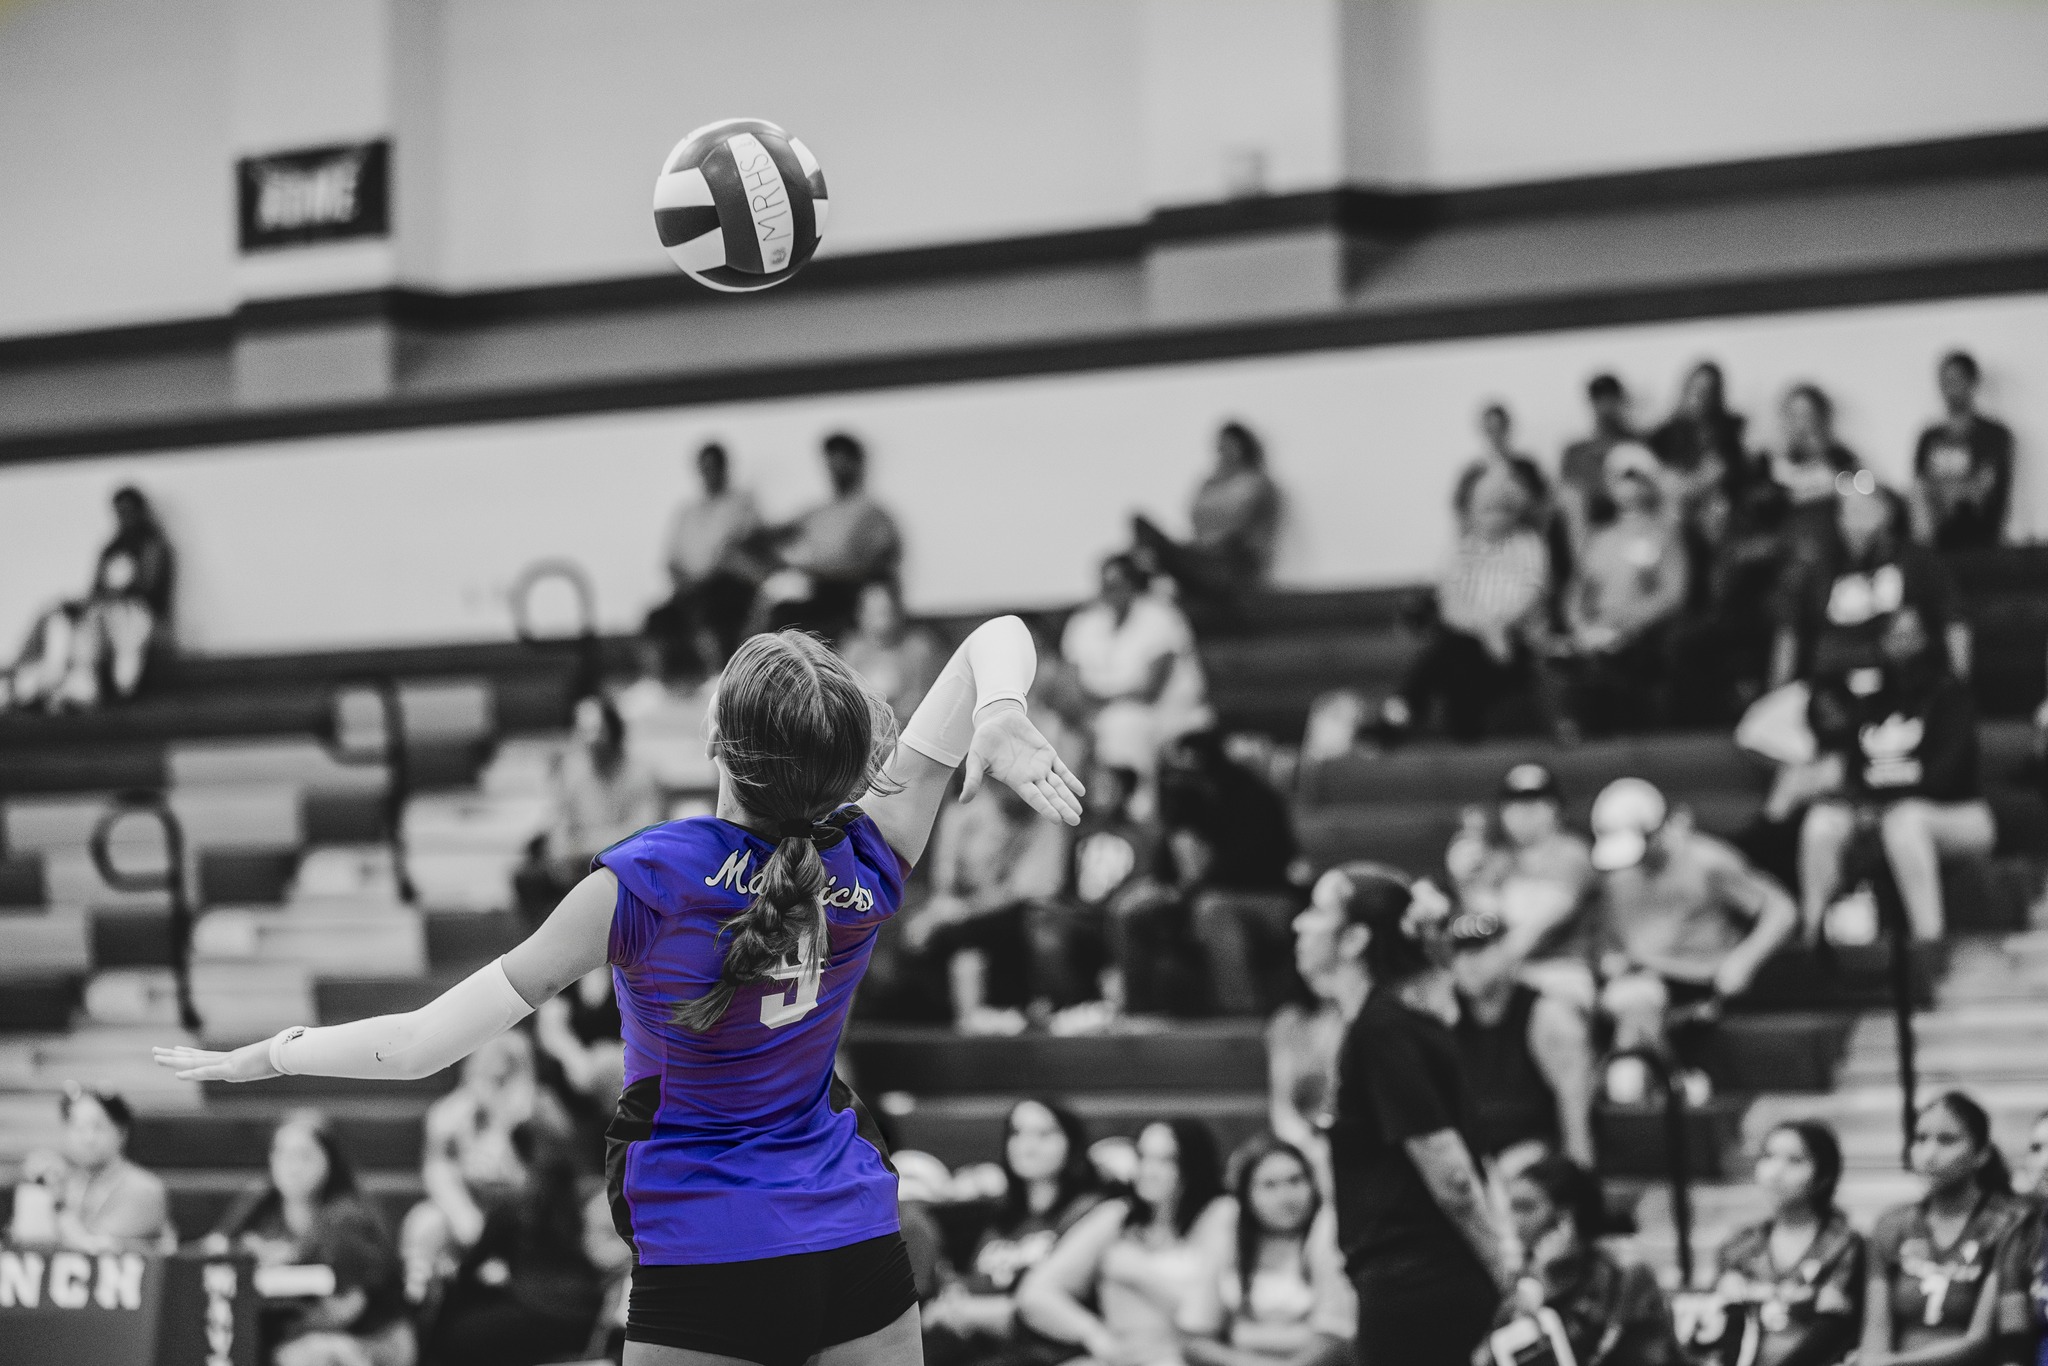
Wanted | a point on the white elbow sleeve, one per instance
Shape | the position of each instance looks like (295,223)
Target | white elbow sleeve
(994,664)
(416,1044)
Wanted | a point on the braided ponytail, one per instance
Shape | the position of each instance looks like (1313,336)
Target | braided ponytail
(798,734)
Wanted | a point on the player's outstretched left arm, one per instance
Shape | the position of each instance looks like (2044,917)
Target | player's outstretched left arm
(974,713)
(418,1043)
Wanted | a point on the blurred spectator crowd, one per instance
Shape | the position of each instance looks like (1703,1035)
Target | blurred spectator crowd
(1678,575)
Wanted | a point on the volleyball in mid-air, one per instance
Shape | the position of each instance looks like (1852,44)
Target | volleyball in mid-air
(740,205)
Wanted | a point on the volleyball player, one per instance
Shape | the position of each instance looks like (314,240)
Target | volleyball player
(751,1184)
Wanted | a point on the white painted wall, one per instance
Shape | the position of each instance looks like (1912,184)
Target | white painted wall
(116,189)
(541,122)
(1510,90)
(1008,491)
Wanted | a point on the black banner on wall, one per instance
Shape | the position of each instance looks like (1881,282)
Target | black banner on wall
(321,194)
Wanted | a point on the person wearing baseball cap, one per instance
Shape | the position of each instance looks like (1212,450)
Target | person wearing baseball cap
(1688,920)
(1520,864)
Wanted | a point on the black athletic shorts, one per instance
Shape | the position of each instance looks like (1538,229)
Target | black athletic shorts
(777,1311)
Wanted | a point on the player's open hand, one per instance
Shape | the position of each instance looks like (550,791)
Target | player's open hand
(251,1062)
(1008,748)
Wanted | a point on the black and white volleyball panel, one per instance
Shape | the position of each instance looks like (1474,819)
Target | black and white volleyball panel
(740,205)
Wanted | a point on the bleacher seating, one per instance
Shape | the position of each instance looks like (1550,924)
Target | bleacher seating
(281,788)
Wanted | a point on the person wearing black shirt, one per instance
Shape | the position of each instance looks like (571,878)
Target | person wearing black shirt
(1528,1058)
(1421,1239)
(1838,598)
(1232,837)
(1905,736)
(1701,445)
(1962,467)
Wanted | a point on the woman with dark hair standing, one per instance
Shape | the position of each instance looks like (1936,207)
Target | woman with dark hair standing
(1421,1236)
(1051,1184)
(1137,1259)
(752,1185)
(309,1212)
(1800,1271)
(1276,1293)
(1949,1273)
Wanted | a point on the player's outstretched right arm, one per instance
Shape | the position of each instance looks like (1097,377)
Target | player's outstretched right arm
(418,1043)
(975,712)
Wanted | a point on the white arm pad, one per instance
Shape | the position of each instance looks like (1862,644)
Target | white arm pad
(994,664)
(416,1044)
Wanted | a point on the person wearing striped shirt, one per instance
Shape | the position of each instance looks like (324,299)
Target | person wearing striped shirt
(1492,601)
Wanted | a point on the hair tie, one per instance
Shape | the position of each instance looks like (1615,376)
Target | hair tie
(823,834)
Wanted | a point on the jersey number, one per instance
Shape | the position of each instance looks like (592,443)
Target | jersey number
(797,1001)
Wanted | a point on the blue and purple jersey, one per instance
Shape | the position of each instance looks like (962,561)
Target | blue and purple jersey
(738,1143)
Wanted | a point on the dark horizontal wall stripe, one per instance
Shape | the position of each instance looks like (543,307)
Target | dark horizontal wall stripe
(1847,289)
(1364,211)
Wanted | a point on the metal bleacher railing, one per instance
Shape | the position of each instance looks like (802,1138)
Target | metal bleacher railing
(589,649)
(390,752)
(172,879)
(1867,862)
(1677,1150)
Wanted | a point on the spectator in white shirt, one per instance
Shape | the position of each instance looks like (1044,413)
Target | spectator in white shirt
(1135,655)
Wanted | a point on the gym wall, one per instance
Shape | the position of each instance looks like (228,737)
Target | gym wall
(414,536)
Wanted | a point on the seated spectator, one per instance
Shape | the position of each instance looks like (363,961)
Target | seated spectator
(1493,599)
(1236,517)
(1701,445)
(598,794)
(1803,473)
(524,1292)
(1528,1058)
(581,1058)
(900,661)
(1582,472)
(995,921)
(1630,586)
(1115,1285)
(713,573)
(1302,1043)
(1522,866)
(1962,467)
(1605,1312)
(309,1212)
(612,1258)
(1135,657)
(472,1163)
(1689,922)
(1905,746)
(2034,1176)
(82,653)
(833,551)
(1232,839)
(1276,1290)
(1049,1185)
(1949,1273)
(1839,599)
(89,1197)
(1794,1281)
(1539,510)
